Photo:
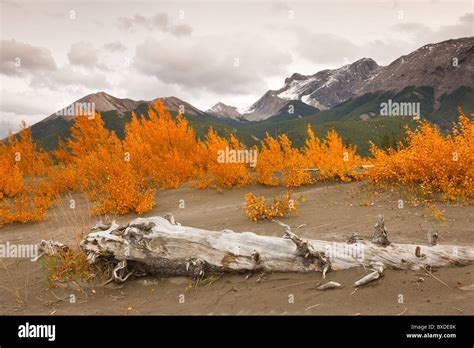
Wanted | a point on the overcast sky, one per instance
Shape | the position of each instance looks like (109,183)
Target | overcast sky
(200,51)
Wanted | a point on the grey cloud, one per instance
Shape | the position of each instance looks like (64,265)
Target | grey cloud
(67,76)
(16,107)
(115,46)
(197,64)
(322,48)
(15,103)
(158,22)
(31,58)
(424,34)
(411,27)
(330,48)
(280,6)
(384,52)
(84,54)
(467,18)
(181,30)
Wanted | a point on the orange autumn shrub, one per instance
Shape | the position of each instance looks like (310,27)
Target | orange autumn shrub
(103,169)
(161,151)
(281,164)
(223,163)
(463,136)
(64,178)
(22,151)
(430,160)
(114,184)
(87,135)
(256,208)
(168,151)
(163,148)
(334,160)
(25,191)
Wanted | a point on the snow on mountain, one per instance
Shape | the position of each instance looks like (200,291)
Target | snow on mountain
(323,90)
(444,66)
(327,88)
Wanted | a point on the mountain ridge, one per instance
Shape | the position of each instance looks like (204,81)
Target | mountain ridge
(352,93)
(439,65)
(431,65)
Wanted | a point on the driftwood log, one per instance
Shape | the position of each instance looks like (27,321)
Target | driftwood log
(160,246)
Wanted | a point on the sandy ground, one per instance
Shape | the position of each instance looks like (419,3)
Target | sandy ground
(332,212)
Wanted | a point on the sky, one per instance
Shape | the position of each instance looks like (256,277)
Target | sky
(204,52)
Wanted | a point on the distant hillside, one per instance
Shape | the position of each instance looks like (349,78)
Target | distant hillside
(358,120)
(437,77)
(48,132)
(444,67)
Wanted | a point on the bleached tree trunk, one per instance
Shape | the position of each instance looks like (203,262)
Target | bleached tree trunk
(160,246)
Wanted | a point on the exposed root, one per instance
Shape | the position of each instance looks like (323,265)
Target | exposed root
(435,277)
(171,219)
(197,268)
(376,274)
(121,268)
(329,285)
(306,250)
(380,236)
(354,238)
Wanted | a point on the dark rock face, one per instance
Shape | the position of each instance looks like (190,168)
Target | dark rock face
(322,90)
(445,66)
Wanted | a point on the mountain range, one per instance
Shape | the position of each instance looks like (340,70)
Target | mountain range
(439,76)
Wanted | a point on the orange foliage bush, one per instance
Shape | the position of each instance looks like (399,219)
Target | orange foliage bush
(256,208)
(280,163)
(331,157)
(215,170)
(163,148)
(103,169)
(161,151)
(168,151)
(25,191)
(431,160)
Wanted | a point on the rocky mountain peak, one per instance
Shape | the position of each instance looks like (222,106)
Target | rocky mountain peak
(444,66)
(222,110)
(323,90)
(295,77)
